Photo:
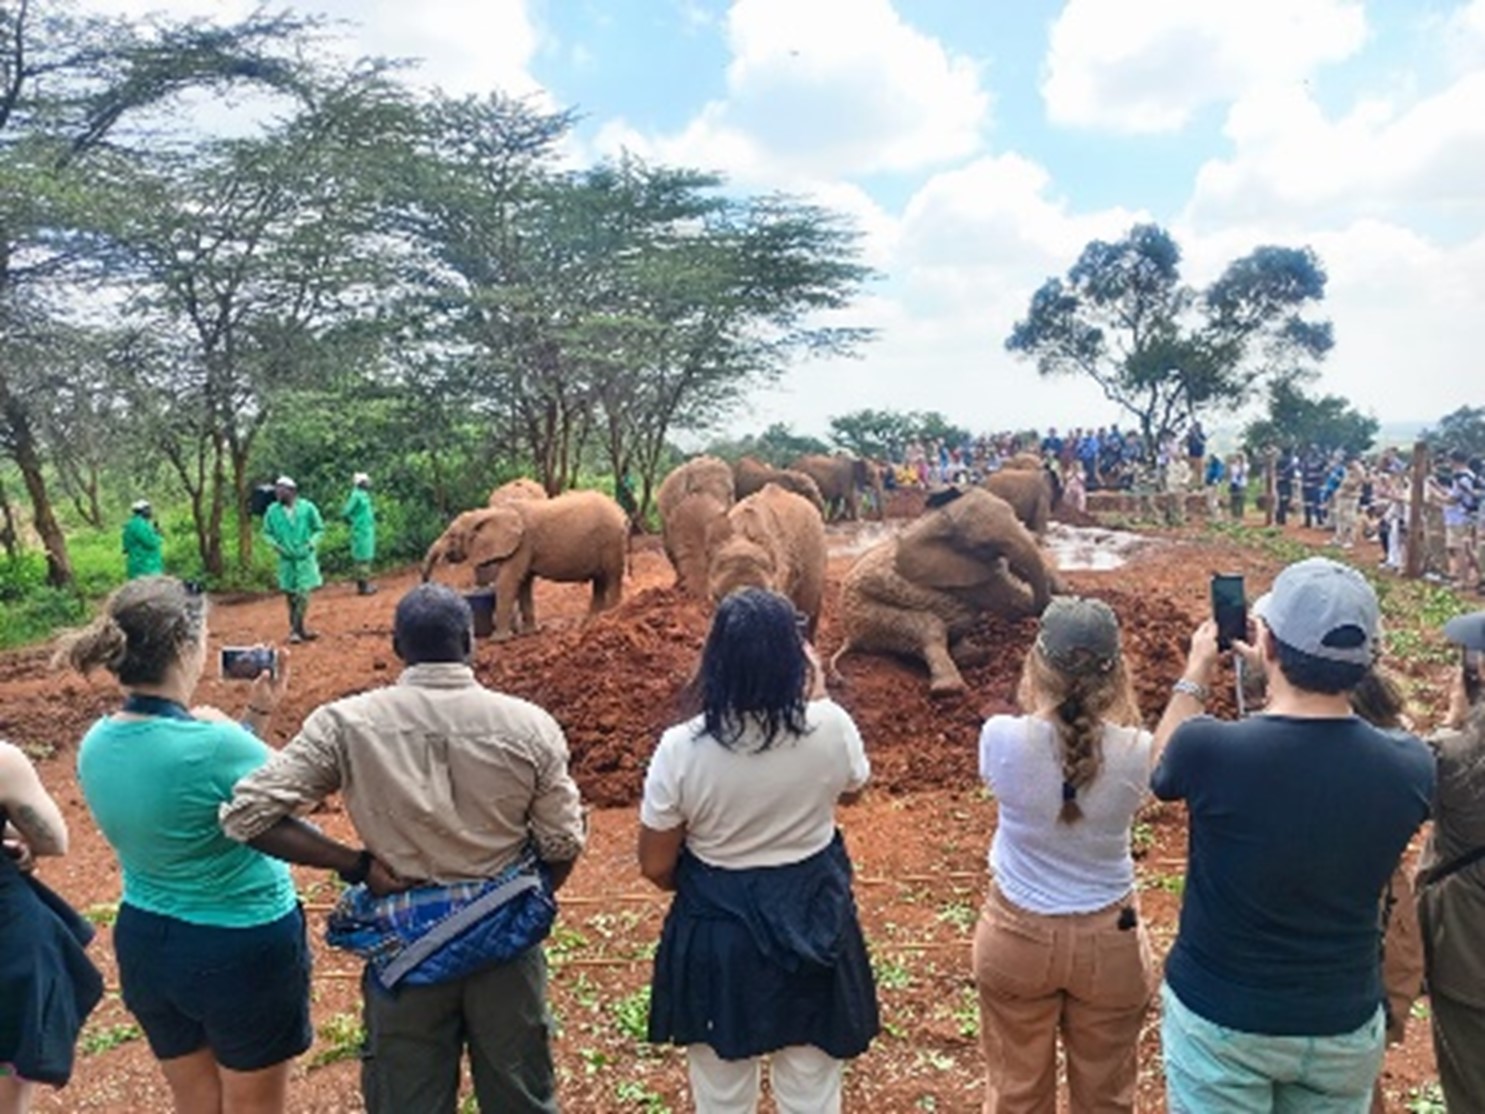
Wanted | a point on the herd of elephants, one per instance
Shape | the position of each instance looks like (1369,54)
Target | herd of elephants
(974,549)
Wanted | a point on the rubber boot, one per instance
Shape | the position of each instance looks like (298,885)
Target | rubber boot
(365,588)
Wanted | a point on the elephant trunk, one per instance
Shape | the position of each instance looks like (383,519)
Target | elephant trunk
(434,555)
(1027,563)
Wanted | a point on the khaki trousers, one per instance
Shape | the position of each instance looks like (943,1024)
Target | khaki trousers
(1080,977)
(804,1080)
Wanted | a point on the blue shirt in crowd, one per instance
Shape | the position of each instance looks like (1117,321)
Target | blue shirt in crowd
(1296,826)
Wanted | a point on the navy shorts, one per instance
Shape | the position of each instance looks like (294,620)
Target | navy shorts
(241,992)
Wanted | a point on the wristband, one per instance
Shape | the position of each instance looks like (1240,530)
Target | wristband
(358,873)
(1191,688)
(260,711)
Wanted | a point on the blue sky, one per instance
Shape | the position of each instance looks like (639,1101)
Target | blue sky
(980,145)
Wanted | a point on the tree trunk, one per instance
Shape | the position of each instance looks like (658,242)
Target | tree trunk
(28,460)
(244,516)
(215,563)
(9,535)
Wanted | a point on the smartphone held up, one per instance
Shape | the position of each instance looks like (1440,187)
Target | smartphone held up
(1229,609)
(246,663)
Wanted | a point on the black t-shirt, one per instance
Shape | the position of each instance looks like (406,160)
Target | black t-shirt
(1296,825)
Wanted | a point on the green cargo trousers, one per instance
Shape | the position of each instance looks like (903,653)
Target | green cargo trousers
(415,1039)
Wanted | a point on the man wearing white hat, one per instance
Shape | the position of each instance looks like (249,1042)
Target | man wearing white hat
(144,549)
(1298,817)
(293,527)
(361,516)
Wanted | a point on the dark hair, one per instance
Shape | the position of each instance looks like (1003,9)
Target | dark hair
(753,668)
(433,623)
(140,632)
(1314,674)
(1379,700)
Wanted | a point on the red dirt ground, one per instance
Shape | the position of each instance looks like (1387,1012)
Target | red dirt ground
(918,839)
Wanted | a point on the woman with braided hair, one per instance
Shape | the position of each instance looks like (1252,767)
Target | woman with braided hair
(1060,950)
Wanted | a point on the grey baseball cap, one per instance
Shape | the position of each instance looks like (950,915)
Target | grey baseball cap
(1079,635)
(1467,630)
(1325,609)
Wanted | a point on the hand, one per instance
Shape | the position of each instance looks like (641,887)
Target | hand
(1459,703)
(268,690)
(1204,653)
(382,880)
(20,851)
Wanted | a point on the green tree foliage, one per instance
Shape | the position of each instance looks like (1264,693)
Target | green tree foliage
(1162,350)
(1295,419)
(778,445)
(884,434)
(1463,429)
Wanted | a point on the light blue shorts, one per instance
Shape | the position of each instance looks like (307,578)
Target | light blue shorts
(1210,1069)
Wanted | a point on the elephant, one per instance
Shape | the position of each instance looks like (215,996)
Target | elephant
(750,474)
(919,593)
(515,491)
(1030,492)
(576,536)
(840,480)
(691,499)
(773,539)
(1023,462)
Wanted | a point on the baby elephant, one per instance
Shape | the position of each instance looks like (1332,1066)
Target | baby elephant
(772,539)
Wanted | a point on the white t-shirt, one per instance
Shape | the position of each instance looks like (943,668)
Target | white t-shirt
(744,807)
(1039,862)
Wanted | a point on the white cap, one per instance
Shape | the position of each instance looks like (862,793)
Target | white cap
(360,478)
(140,505)
(285,481)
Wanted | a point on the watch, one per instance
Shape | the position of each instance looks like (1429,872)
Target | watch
(1192,688)
(358,873)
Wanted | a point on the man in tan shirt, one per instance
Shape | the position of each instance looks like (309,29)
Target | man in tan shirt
(445,781)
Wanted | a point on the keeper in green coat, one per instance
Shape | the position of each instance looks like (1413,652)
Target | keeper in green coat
(144,549)
(359,512)
(293,527)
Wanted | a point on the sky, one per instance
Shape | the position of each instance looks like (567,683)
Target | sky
(980,145)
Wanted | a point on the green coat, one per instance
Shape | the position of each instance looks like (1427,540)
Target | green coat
(144,551)
(294,537)
(359,513)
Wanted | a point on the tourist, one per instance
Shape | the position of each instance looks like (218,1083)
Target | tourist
(293,527)
(1451,881)
(1284,478)
(1461,507)
(1313,469)
(1298,817)
(1060,949)
(202,919)
(465,794)
(1196,451)
(761,954)
(47,985)
(144,549)
(1347,503)
(360,515)
(1237,485)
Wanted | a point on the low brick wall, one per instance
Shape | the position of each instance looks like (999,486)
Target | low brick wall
(1151,506)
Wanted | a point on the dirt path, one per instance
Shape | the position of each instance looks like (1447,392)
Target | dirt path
(918,839)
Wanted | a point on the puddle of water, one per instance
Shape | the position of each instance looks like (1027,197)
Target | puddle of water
(1075,548)
(851,539)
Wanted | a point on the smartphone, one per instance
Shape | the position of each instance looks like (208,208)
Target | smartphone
(244,663)
(1472,662)
(1229,609)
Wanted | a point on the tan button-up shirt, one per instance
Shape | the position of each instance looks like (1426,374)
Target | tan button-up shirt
(445,780)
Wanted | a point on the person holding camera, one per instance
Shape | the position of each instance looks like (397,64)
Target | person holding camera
(210,941)
(1451,878)
(1298,817)
(1060,950)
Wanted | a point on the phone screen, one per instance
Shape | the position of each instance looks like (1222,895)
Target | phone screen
(244,663)
(1229,609)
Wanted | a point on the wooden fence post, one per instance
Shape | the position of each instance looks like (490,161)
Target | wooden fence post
(1417,551)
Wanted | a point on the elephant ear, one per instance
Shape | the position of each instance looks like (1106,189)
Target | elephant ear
(927,554)
(497,535)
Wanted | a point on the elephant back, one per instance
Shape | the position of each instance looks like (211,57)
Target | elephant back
(704,474)
(520,490)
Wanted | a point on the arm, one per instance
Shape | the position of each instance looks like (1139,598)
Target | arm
(659,851)
(316,527)
(1182,705)
(556,815)
(30,808)
(270,531)
(302,774)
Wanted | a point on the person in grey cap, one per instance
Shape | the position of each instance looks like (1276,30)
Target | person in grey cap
(1060,949)
(1451,878)
(1298,817)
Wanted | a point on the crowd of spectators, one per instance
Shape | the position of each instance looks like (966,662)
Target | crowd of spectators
(1286,977)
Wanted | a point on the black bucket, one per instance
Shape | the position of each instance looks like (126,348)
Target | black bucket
(482,604)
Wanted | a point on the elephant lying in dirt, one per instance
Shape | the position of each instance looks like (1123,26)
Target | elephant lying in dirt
(772,539)
(691,500)
(750,474)
(579,535)
(920,592)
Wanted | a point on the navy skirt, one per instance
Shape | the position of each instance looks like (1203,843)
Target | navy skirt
(752,961)
(47,984)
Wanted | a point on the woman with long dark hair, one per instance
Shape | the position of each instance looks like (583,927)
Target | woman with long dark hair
(1060,950)
(762,952)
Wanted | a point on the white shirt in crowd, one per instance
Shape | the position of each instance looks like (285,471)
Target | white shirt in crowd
(1041,863)
(744,807)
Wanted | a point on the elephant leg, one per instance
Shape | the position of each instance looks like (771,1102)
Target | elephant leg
(528,602)
(506,588)
(918,634)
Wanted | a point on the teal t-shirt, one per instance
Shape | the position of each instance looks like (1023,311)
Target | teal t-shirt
(154,786)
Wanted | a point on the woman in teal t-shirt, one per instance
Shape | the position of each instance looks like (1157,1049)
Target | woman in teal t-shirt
(210,937)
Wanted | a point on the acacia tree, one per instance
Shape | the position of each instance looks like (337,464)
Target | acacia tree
(69,85)
(1296,418)
(1162,350)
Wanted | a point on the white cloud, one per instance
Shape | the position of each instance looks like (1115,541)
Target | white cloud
(1149,65)
(830,88)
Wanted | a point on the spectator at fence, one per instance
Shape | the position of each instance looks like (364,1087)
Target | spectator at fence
(465,793)
(1196,451)
(1237,485)
(1298,817)
(761,953)
(203,919)
(47,985)
(1313,469)
(1347,503)
(1461,509)
(1287,471)
(1060,948)
(1451,882)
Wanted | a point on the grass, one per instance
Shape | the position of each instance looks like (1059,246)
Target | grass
(632,1093)
(891,974)
(105,1038)
(342,1036)
(1426,1099)
(103,914)
(632,1014)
